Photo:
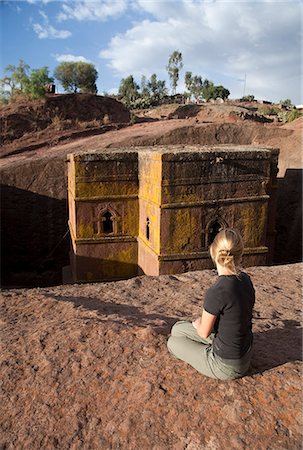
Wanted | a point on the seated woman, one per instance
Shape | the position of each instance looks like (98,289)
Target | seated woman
(219,343)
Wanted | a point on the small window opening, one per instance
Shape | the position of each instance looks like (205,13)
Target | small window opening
(213,230)
(147,228)
(107,222)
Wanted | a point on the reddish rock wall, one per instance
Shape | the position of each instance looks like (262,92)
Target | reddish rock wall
(38,178)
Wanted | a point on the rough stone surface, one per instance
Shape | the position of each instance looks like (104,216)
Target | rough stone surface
(86,367)
(34,191)
(155,210)
(55,114)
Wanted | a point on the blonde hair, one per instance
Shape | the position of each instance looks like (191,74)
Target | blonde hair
(227,249)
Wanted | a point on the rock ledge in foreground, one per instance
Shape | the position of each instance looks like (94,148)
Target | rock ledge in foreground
(86,366)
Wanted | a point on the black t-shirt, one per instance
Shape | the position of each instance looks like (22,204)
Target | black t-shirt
(231,299)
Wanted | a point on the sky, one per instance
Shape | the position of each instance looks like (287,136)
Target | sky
(251,47)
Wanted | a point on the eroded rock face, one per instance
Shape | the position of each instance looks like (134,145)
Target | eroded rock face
(86,367)
(58,113)
(34,191)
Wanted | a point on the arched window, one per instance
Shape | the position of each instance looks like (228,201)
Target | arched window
(213,229)
(107,223)
(147,228)
(106,220)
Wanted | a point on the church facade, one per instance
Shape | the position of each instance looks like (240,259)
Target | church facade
(155,210)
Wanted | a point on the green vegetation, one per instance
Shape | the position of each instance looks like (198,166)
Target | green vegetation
(81,77)
(269,111)
(20,81)
(292,115)
(17,76)
(75,76)
(204,89)
(248,98)
(286,103)
(212,91)
(194,85)
(150,93)
(282,115)
(38,79)
(128,90)
(23,82)
(156,88)
(175,64)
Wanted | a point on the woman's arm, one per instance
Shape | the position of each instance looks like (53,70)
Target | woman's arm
(205,324)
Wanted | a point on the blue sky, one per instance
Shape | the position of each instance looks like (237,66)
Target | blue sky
(223,41)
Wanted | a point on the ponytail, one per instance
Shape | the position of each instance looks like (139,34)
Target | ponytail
(227,249)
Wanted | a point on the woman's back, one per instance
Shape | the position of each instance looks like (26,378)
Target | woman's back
(219,342)
(231,299)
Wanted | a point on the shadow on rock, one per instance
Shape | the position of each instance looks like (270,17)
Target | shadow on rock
(277,346)
(272,348)
(119,313)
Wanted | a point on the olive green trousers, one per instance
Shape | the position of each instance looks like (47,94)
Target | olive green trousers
(185,344)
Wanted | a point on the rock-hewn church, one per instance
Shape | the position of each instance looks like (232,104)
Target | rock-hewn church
(155,210)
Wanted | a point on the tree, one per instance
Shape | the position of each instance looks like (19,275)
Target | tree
(87,76)
(20,81)
(188,81)
(144,87)
(173,68)
(37,81)
(76,76)
(128,89)
(194,85)
(19,74)
(209,91)
(16,77)
(157,88)
(248,98)
(286,102)
(220,91)
(5,95)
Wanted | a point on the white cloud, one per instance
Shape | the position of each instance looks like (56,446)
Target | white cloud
(100,10)
(70,58)
(47,31)
(219,40)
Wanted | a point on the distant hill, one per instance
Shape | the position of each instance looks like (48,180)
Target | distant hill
(56,114)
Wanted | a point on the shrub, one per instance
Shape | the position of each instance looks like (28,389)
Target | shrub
(292,115)
(248,98)
(269,111)
(286,103)
(141,103)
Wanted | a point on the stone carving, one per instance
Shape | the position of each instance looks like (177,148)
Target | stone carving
(156,210)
